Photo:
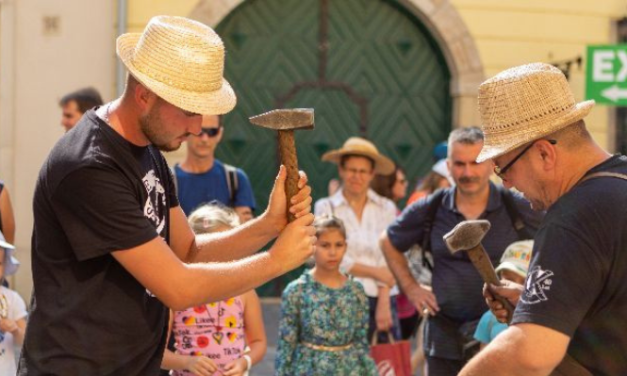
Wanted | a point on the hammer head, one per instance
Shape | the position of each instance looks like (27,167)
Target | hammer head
(285,119)
(466,235)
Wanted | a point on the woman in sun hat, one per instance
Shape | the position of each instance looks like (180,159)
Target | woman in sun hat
(365,215)
(109,237)
(572,305)
(12,312)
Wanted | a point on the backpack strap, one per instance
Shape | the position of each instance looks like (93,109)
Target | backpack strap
(433,204)
(603,174)
(513,213)
(231,182)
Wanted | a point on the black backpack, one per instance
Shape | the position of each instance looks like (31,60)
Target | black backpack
(433,204)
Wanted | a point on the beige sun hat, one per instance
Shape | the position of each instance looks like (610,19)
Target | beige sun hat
(182,61)
(362,147)
(524,104)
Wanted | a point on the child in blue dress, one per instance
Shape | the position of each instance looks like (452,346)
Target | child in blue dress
(513,267)
(324,315)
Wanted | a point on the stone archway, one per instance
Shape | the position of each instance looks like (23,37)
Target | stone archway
(445,24)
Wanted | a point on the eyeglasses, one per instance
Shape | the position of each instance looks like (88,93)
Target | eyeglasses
(500,172)
(210,132)
(356,171)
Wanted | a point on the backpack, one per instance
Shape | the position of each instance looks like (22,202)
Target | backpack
(434,202)
(232,183)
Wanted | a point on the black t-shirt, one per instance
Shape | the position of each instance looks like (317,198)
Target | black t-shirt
(96,193)
(577,281)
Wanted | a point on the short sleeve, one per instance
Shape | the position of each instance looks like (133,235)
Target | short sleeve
(566,274)
(482,333)
(407,229)
(100,212)
(245,195)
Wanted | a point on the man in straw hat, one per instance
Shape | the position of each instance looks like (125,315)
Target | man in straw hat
(365,215)
(575,297)
(456,303)
(109,235)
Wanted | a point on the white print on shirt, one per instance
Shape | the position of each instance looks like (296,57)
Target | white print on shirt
(156,196)
(538,281)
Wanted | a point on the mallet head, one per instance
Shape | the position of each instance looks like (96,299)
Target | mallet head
(285,119)
(466,235)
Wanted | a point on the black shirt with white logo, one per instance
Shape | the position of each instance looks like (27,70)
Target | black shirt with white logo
(577,281)
(96,193)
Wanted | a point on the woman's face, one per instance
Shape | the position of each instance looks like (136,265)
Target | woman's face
(399,189)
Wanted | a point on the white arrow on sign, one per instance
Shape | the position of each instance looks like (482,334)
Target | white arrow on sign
(614,93)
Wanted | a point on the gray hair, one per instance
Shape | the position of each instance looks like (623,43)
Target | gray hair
(465,135)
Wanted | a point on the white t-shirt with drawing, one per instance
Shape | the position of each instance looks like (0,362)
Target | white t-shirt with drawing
(16,309)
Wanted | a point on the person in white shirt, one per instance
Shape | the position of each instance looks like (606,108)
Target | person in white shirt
(366,215)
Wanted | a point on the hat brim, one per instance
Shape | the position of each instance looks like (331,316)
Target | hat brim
(508,265)
(382,164)
(205,103)
(506,143)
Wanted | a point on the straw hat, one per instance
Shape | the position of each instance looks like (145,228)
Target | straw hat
(10,263)
(524,104)
(361,147)
(182,61)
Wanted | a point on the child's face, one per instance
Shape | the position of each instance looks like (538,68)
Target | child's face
(330,249)
(511,276)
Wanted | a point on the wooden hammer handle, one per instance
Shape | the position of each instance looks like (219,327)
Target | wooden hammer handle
(482,263)
(287,150)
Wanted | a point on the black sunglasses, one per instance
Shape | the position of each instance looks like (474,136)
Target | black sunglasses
(500,172)
(210,132)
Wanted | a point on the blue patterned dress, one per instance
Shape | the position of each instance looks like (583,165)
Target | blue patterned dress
(313,313)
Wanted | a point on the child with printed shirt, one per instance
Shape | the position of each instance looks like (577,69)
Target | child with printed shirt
(324,315)
(223,338)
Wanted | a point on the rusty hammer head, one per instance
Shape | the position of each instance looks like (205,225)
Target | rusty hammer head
(286,119)
(466,235)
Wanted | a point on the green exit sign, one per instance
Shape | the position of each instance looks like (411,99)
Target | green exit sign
(606,75)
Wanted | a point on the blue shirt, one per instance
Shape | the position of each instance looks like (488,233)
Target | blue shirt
(456,283)
(195,189)
(488,328)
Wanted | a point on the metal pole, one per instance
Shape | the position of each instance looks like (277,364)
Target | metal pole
(120,71)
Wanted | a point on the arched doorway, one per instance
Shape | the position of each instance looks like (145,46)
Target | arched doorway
(369,68)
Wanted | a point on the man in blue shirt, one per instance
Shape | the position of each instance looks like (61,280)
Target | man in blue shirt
(202,178)
(456,301)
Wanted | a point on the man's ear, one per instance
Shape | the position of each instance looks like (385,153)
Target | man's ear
(548,154)
(143,97)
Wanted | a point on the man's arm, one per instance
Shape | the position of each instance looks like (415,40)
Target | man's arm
(419,296)
(180,285)
(522,349)
(243,240)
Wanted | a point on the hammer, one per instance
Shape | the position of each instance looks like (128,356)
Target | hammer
(285,121)
(467,236)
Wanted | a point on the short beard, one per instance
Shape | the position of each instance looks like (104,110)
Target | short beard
(152,127)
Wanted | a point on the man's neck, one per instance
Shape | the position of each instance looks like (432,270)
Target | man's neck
(583,161)
(355,198)
(124,120)
(197,165)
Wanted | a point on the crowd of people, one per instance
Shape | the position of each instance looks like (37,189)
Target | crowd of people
(166,259)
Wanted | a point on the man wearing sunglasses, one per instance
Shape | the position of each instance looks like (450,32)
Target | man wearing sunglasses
(575,297)
(202,178)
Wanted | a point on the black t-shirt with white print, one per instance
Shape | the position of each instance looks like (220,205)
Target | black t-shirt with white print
(577,281)
(96,193)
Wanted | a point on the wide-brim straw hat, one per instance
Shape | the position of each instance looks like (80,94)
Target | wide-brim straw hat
(11,264)
(524,104)
(182,61)
(361,147)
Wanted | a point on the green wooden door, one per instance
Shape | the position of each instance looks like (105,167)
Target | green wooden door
(367,67)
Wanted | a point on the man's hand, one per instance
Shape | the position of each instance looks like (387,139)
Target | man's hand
(235,368)
(200,365)
(295,244)
(300,204)
(423,299)
(509,290)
